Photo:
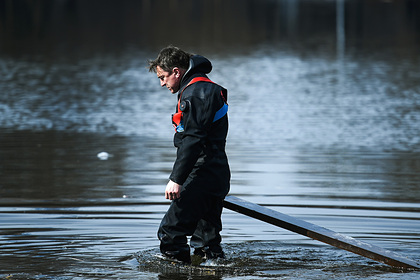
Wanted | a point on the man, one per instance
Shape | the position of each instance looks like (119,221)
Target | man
(200,177)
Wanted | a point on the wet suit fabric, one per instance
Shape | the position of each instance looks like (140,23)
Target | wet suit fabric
(201,165)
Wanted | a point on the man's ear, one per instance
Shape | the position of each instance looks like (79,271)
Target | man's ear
(177,72)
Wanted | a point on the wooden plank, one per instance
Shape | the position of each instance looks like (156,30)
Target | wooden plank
(318,233)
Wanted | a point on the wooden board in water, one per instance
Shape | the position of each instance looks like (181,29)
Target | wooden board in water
(318,233)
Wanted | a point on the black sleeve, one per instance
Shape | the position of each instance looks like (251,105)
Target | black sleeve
(197,123)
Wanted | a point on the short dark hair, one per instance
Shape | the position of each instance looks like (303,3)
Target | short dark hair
(169,58)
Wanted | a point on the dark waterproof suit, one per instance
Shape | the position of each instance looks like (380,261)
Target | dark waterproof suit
(201,165)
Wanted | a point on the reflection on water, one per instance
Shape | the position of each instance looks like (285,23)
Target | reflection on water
(268,260)
(87,216)
(324,126)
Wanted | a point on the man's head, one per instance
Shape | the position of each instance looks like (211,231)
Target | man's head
(170,66)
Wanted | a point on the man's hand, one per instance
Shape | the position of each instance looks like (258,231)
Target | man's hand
(173,190)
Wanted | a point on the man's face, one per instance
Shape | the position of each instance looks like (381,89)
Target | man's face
(168,79)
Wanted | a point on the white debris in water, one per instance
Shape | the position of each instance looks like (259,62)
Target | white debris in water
(103,155)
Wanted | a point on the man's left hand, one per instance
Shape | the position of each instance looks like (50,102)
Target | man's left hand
(173,190)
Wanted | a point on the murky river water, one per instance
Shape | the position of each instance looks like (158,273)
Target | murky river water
(328,135)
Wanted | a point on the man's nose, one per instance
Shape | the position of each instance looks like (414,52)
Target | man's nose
(162,83)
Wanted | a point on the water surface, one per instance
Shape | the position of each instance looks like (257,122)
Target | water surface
(324,130)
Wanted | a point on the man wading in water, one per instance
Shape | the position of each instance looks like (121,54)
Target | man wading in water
(200,177)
